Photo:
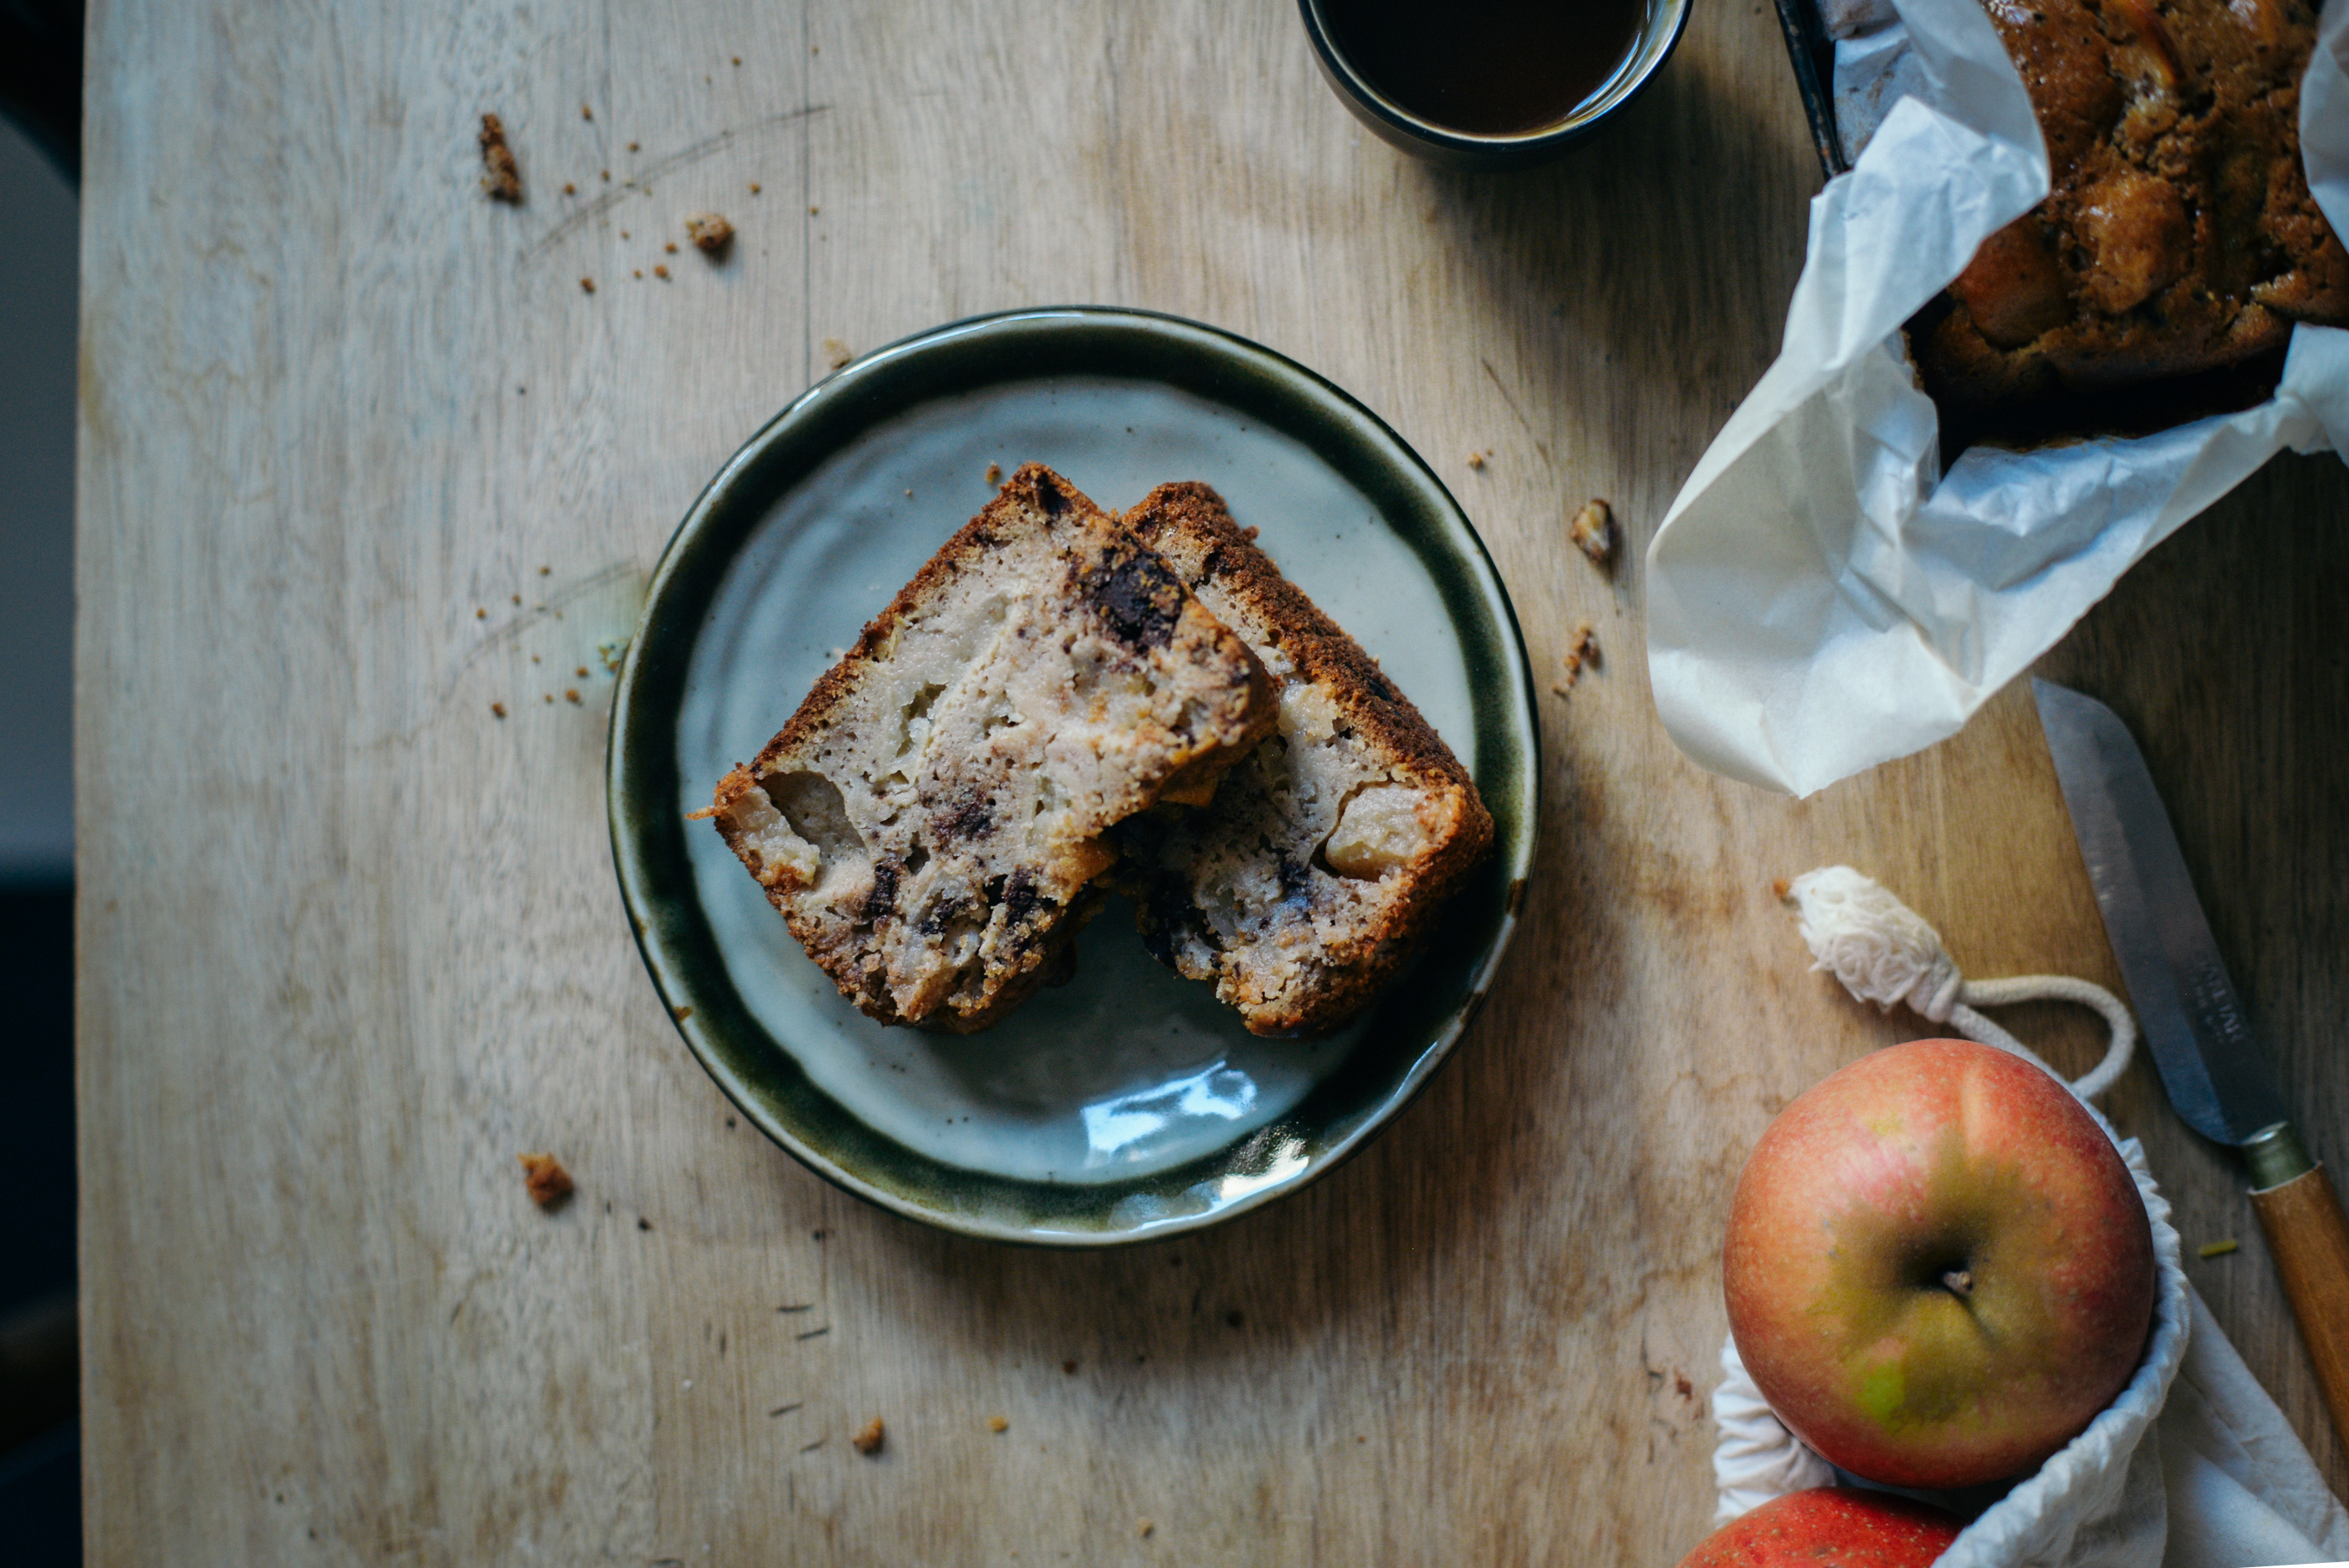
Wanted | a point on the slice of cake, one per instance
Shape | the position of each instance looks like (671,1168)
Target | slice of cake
(931,821)
(1313,874)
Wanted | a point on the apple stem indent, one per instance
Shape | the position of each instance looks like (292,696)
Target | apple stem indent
(1961,1283)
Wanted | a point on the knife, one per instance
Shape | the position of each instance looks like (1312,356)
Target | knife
(2186,1009)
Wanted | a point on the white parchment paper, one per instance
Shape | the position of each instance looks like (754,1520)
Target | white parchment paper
(1821,598)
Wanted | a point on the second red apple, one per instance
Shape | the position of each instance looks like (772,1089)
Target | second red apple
(1831,1527)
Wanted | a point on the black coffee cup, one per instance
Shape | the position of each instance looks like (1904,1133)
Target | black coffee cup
(1647,42)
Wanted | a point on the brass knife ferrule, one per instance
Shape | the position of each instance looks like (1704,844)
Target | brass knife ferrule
(2276,1156)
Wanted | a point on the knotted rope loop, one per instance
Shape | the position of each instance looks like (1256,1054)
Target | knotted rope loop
(1886,953)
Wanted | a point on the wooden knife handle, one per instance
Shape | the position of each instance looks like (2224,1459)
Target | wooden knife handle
(2310,1241)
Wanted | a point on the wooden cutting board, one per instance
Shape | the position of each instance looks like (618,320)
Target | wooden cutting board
(362,461)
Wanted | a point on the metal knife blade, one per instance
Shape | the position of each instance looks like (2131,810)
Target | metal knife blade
(2184,1004)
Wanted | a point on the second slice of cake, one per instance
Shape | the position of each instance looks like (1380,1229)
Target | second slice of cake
(931,821)
(1313,875)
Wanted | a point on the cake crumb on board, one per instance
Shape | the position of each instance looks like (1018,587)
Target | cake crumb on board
(1782,889)
(836,353)
(997,1424)
(710,232)
(995,473)
(544,1179)
(500,176)
(1581,654)
(1143,1527)
(1593,531)
(868,1442)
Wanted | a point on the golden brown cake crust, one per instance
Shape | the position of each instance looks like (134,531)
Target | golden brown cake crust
(1188,524)
(931,820)
(1306,960)
(2160,279)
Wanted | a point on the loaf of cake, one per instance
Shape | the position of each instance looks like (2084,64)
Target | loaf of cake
(932,821)
(2161,277)
(1315,871)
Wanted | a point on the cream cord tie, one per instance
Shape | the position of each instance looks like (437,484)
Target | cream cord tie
(1885,952)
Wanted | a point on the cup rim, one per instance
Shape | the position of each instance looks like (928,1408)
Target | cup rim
(1575,126)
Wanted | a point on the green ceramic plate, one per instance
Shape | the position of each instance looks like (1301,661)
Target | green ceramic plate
(1128,1103)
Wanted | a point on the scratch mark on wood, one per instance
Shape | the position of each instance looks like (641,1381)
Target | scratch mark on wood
(785,1409)
(1539,446)
(811,1333)
(618,573)
(466,1296)
(694,153)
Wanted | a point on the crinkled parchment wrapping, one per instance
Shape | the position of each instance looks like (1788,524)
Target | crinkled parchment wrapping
(1821,597)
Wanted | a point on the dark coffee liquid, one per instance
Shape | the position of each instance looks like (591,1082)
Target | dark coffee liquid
(1492,68)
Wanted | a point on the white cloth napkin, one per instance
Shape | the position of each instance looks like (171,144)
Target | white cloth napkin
(2192,1467)
(1823,598)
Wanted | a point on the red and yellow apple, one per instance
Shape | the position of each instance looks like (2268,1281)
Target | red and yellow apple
(1831,1527)
(1938,1268)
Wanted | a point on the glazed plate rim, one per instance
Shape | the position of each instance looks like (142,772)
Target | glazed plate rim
(645,805)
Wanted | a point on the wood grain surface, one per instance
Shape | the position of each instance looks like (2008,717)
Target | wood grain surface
(360,457)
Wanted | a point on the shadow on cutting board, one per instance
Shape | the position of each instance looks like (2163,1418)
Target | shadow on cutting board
(40,1469)
(40,1450)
